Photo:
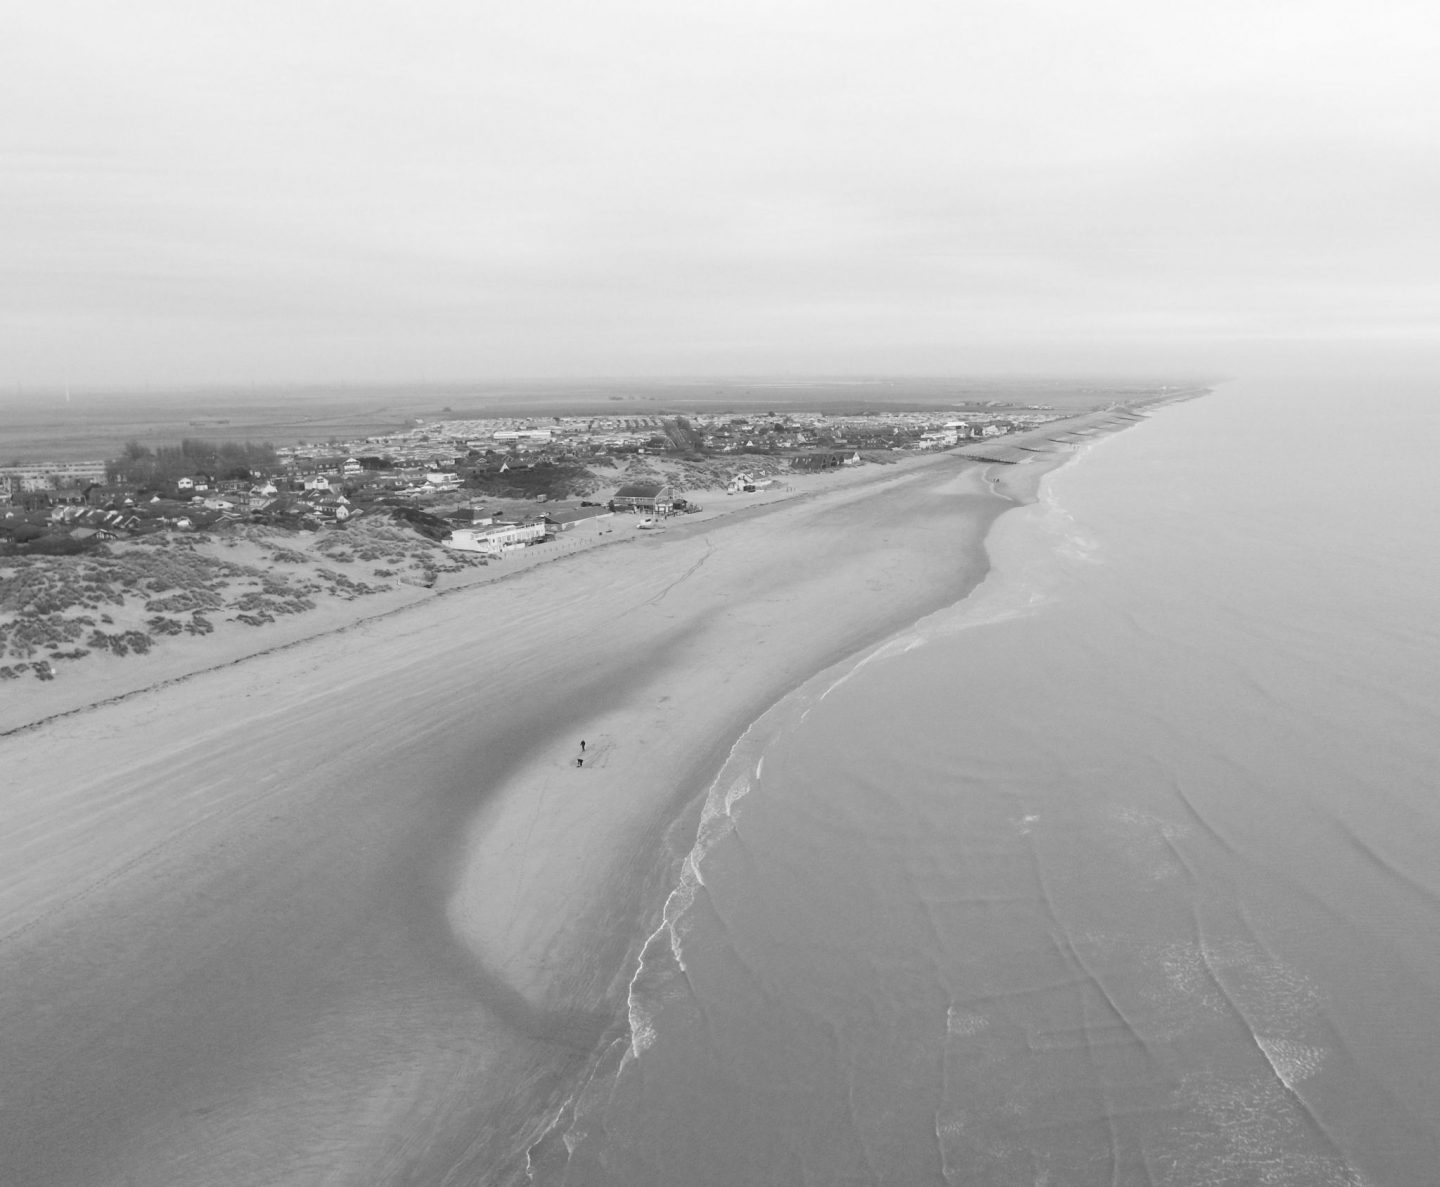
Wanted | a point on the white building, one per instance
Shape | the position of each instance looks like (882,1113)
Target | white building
(539,436)
(38,476)
(495,539)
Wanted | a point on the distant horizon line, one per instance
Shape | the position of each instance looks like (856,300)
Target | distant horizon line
(771,379)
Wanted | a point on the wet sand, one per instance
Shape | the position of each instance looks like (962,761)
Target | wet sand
(351,912)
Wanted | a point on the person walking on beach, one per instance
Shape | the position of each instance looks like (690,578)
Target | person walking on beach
(582,745)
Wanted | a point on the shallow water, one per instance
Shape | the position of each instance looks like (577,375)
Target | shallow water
(1122,871)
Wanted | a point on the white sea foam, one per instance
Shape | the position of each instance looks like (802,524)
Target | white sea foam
(1247,1131)
(1291,1061)
(738,776)
(1149,840)
(1024,824)
(964,1023)
(1155,1007)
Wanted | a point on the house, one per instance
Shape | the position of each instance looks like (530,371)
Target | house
(110,496)
(825,459)
(653,497)
(336,509)
(328,505)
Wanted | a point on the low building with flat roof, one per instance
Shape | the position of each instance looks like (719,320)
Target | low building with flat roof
(565,518)
(497,538)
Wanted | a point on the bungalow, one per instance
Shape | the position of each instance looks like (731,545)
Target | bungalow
(337,509)
(110,496)
(654,497)
(825,459)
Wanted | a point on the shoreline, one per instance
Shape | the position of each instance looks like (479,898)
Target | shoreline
(542,949)
(291,902)
(107,680)
(121,679)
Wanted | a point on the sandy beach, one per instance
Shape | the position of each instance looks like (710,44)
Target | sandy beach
(351,911)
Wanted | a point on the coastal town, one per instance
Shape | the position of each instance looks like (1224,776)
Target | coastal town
(447,473)
(168,542)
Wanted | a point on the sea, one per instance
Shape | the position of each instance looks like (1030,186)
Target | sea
(1124,870)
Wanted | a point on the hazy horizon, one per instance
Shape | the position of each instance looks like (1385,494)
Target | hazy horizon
(315,195)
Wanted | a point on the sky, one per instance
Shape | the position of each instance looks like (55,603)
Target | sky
(309,191)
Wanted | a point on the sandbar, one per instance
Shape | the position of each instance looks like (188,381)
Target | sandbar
(352,911)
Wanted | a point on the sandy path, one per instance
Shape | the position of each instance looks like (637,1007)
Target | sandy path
(226,906)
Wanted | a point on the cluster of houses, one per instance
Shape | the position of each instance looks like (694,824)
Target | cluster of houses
(791,434)
(196,502)
(315,485)
(806,436)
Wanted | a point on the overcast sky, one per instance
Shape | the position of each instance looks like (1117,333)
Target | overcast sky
(255,191)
